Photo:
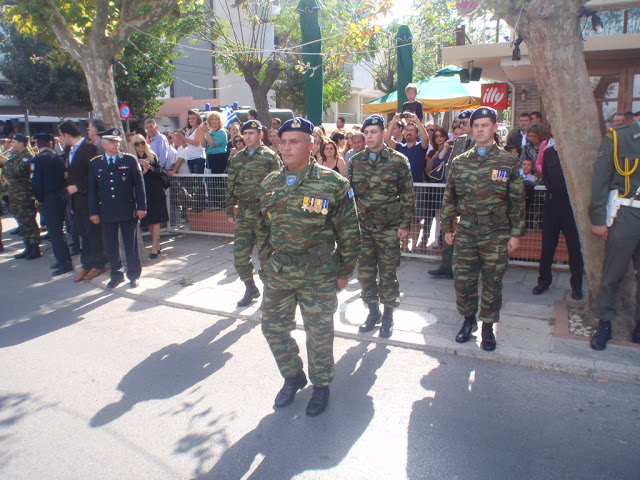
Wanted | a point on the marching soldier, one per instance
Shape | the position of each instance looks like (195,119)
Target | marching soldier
(117,200)
(312,241)
(17,173)
(485,189)
(463,143)
(617,177)
(248,169)
(381,179)
(48,185)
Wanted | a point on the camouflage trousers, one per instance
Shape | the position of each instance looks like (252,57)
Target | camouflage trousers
(480,250)
(286,288)
(378,265)
(24,210)
(246,234)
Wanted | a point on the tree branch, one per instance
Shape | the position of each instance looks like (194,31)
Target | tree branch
(49,14)
(130,22)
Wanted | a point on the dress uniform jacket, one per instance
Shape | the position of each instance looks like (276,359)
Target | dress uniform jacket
(116,192)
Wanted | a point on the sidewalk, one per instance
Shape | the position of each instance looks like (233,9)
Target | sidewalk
(197,273)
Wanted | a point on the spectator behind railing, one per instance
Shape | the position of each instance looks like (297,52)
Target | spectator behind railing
(274,139)
(436,169)
(319,140)
(330,157)
(238,144)
(216,141)
(194,139)
(536,134)
(156,196)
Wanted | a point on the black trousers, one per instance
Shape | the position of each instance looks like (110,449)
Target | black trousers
(130,244)
(54,208)
(558,216)
(92,255)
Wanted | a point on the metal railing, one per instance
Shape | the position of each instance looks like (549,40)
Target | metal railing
(197,205)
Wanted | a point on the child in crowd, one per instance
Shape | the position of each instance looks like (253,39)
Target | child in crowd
(412,106)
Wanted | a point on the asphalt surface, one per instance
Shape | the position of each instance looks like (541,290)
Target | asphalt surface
(99,386)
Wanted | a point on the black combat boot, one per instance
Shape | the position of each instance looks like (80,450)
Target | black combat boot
(319,401)
(373,318)
(250,293)
(291,386)
(635,338)
(33,253)
(602,336)
(386,329)
(24,253)
(468,327)
(488,343)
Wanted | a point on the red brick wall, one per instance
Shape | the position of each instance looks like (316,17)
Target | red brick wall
(532,102)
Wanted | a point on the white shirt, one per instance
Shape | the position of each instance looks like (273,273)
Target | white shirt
(184,168)
(193,151)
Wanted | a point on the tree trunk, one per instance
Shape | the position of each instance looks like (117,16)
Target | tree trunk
(98,70)
(552,34)
(260,89)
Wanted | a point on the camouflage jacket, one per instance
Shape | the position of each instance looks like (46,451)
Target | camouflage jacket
(246,173)
(605,175)
(17,171)
(488,186)
(385,186)
(316,213)
(460,145)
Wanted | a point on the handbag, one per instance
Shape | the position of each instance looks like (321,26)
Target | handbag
(437,173)
(164,176)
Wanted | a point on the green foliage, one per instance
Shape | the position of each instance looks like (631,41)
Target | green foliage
(39,76)
(289,88)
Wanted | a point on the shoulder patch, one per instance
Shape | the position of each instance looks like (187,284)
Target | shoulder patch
(350,193)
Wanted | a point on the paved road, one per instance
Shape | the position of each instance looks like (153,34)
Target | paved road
(103,387)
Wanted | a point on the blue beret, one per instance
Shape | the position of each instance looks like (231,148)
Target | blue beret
(251,124)
(374,120)
(484,112)
(297,124)
(19,137)
(466,113)
(111,134)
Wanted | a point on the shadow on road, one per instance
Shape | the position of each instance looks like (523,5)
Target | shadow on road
(174,368)
(286,442)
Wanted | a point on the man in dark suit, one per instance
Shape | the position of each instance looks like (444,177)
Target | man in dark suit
(48,184)
(518,138)
(81,152)
(117,200)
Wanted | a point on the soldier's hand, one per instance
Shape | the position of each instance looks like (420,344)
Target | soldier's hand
(513,244)
(403,233)
(141,214)
(341,283)
(95,219)
(232,220)
(449,238)
(600,231)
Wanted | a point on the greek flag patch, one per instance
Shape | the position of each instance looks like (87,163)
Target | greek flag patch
(350,193)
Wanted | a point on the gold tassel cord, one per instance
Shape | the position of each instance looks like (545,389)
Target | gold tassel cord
(626,173)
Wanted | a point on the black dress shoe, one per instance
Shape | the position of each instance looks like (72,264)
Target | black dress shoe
(134,283)
(488,343)
(441,274)
(539,289)
(288,391)
(55,265)
(114,282)
(468,327)
(319,401)
(602,336)
(373,318)
(577,295)
(153,256)
(62,271)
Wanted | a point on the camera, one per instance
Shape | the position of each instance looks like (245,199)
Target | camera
(404,115)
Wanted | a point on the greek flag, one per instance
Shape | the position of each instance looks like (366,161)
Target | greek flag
(229,116)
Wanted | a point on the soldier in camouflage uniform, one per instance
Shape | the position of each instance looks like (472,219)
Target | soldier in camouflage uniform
(485,189)
(312,241)
(463,143)
(382,181)
(616,169)
(248,169)
(17,173)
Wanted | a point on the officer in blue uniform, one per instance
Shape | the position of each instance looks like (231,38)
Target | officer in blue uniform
(48,184)
(117,199)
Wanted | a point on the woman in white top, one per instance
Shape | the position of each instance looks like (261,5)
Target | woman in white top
(194,140)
